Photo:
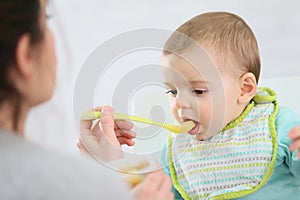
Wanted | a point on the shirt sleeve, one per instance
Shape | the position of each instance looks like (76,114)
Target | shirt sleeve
(166,167)
(285,120)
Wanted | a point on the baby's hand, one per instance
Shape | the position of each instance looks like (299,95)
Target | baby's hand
(294,134)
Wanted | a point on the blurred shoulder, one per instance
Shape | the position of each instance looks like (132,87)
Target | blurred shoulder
(29,171)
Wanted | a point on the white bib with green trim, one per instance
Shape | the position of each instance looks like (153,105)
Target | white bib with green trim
(235,162)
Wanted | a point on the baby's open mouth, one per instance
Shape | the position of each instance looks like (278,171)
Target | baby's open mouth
(195,129)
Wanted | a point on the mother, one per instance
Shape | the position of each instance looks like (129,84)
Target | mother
(27,78)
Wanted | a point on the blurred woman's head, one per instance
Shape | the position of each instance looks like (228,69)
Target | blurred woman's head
(27,54)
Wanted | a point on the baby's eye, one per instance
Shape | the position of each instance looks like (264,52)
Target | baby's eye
(172,92)
(199,91)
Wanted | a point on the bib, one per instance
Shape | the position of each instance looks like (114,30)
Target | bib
(233,163)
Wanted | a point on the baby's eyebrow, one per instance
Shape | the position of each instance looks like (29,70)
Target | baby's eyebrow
(167,84)
(199,82)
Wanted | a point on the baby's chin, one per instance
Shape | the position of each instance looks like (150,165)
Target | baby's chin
(202,136)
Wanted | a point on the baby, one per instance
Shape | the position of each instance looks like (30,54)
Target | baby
(243,141)
(240,145)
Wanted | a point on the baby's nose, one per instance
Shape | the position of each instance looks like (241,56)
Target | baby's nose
(183,101)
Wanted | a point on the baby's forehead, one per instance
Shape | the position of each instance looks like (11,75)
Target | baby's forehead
(188,62)
(176,67)
(204,59)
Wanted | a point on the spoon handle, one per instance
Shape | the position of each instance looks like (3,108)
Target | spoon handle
(91,115)
(183,128)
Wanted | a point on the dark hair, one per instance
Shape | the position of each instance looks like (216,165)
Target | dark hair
(17,17)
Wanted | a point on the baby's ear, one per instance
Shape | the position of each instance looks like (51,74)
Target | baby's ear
(248,87)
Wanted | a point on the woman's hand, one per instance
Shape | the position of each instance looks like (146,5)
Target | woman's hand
(156,185)
(103,140)
(294,135)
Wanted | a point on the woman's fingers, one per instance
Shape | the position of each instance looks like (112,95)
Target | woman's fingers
(106,121)
(125,133)
(125,137)
(101,141)
(124,140)
(85,125)
(106,124)
(156,185)
(122,124)
(165,188)
(98,108)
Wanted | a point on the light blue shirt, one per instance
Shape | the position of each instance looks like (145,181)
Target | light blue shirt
(285,180)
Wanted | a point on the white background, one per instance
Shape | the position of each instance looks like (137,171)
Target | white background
(81,26)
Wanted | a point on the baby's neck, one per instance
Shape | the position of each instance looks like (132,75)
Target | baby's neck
(241,108)
(238,112)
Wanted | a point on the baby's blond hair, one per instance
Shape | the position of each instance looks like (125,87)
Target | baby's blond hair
(226,34)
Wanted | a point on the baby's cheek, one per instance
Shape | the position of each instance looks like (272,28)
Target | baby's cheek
(173,106)
(206,114)
(204,108)
(175,115)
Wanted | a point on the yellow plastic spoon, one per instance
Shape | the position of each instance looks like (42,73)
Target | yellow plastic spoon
(183,128)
